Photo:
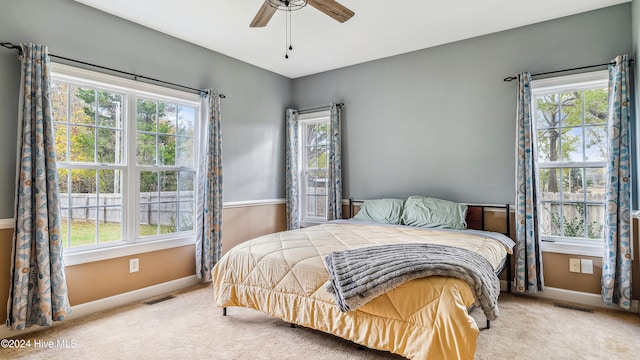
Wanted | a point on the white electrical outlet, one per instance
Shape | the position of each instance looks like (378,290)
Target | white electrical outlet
(587,266)
(574,265)
(134,265)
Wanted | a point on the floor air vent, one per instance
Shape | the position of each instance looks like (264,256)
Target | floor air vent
(573,307)
(155,301)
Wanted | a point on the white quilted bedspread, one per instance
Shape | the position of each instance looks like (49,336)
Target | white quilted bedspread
(283,275)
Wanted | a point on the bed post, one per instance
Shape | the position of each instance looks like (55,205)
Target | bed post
(350,208)
(224,311)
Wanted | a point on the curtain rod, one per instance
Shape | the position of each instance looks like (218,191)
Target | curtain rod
(318,108)
(135,76)
(511,78)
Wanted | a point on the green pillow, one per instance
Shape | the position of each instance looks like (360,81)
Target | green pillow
(386,211)
(434,213)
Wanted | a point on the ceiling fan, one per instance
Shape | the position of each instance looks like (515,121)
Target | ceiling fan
(330,7)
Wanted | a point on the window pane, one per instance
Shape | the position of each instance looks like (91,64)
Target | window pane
(321,206)
(573,220)
(146,115)
(109,110)
(83,182)
(573,188)
(167,119)
(547,115)
(110,186)
(550,219)
(572,144)
(310,134)
(109,146)
(311,207)
(570,108)
(549,180)
(83,232)
(61,142)
(82,106)
(596,182)
(59,101)
(311,183)
(147,225)
(186,182)
(109,224)
(548,145)
(312,157)
(186,120)
(82,144)
(148,181)
(169,183)
(322,134)
(187,211)
(166,150)
(596,106)
(185,151)
(595,221)
(146,144)
(63,184)
(149,218)
(596,143)
(168,217)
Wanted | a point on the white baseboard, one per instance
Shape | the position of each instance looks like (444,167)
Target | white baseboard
(576,297)
(111,302)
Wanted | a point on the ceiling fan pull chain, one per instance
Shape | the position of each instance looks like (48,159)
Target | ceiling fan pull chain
(286,35)
(290,26)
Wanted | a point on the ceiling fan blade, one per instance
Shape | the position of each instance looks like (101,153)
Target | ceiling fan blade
(263,16)
(333,9)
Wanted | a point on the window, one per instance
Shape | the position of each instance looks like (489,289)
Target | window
(126,160)
(570,118)
(314,151)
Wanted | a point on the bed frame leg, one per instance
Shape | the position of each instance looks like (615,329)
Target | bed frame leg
(488,324)
(224,311)
(293,326)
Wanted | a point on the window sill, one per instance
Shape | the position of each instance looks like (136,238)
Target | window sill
(572,249)
(83,257)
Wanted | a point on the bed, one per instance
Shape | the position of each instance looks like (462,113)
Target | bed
(285,275)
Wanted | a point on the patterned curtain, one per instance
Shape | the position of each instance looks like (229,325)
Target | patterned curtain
(616,263)
(38,289)
(293,218)
(528,257)
(334,192)
(209,238)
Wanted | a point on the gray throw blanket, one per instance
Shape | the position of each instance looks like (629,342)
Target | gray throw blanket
(357,276)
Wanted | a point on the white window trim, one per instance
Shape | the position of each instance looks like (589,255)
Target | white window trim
(84,77)
(589,80)
(307,118)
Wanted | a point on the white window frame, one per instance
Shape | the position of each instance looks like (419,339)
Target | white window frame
(318,117)
(584,81)
(133,90)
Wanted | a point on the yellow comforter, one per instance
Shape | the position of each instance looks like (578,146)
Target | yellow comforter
(283,275)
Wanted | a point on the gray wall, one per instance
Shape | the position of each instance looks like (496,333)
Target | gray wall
(252,113)
(440,121)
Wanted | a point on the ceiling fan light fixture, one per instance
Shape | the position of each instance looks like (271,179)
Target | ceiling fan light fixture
(287,5)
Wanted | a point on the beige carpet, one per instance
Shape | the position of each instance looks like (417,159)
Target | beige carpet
(190,327)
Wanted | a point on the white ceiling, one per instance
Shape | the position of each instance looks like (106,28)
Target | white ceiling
(379,28)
